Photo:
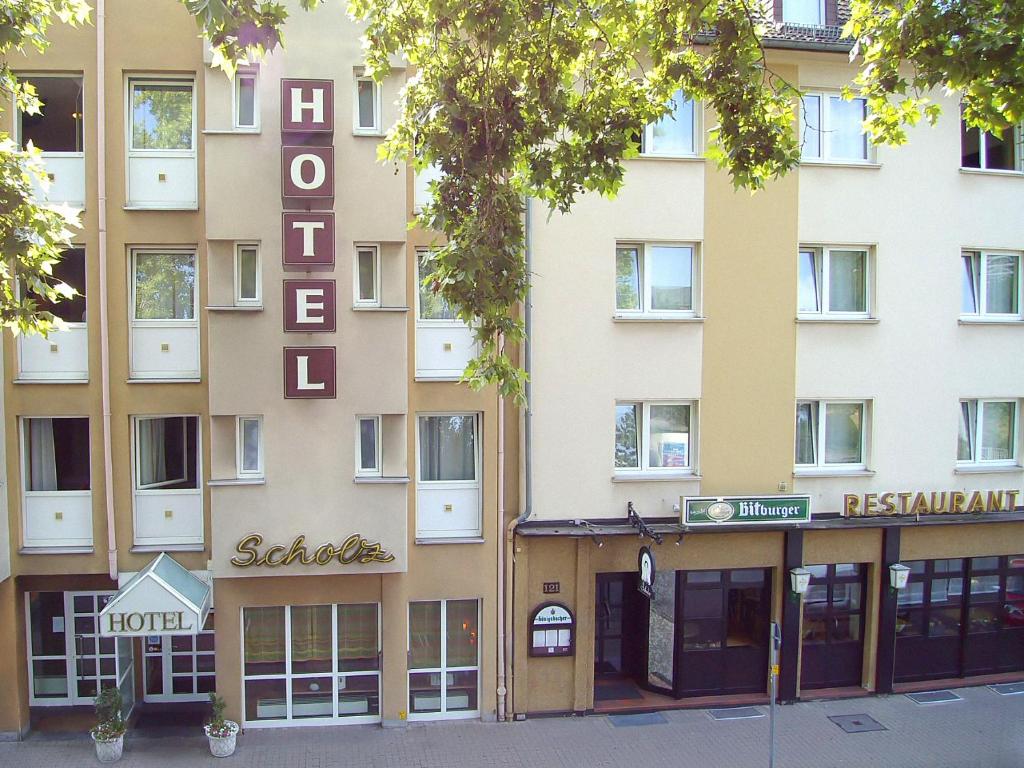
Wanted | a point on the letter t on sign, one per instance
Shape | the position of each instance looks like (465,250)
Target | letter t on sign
(308,240)
(309,373)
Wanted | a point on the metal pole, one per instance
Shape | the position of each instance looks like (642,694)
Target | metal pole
(774,642)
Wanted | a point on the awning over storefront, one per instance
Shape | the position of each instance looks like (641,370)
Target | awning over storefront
(164,598)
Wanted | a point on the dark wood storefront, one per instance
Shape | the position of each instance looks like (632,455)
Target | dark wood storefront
(833,626)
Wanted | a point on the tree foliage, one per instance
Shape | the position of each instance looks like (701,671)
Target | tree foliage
(32,236)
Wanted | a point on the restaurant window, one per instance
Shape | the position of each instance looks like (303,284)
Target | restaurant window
(367,106)
(987,150)
(988,432)
(654,437)
(832,128)
(448,481)
(831,434)
(246,101)
(250,446)
(367,272)
(248,280)
(834,283)
(368,446)
(991,286)
(313,664)
(929,606)
(444,659)
(655,279)
(674,135)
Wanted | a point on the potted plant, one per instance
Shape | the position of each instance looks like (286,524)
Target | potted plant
(221,733)
(108,735)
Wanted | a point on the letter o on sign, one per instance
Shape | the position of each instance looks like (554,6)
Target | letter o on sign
(298,174)
(307,172)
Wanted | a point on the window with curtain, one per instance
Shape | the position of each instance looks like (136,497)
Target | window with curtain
(263,640)
(166,452)
(832,128)
(56,454)
(988,431)
(833,283)
(312,638)
(448,448)
(991,286)
(830,434)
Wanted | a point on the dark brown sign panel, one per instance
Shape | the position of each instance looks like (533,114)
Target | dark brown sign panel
(309,306)
(307,172)
(307,106)
(309,373)
(308,240)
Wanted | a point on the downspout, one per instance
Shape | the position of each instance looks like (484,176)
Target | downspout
(501,551)
(101,184)
(510,533)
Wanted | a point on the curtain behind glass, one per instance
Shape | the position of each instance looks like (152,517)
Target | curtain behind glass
(847,281)
(250,445)
(424,635)
(627,278)
(42,467)
(965,440)
(670,270)
(263,640)
(808,287)
(152,451)
(670,436)
(357,638)
(311,638)
(367,118)
(969,304)
(447,448)
(847,138)
(997,431)
(673,134)
(843,422)
(1001,284)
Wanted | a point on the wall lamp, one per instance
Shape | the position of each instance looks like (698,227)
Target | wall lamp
(898,575)
(799,580)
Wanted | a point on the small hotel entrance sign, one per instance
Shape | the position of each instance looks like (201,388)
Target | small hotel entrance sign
(746,510)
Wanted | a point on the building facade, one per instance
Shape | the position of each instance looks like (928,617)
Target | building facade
(246,464)
(823,377)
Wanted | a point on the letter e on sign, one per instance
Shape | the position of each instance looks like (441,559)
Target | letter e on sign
(307,106)
(307,172)
(309,373)
(308,242)
(309,306)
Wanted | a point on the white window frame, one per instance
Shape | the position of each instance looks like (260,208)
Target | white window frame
(647,144)
(645,285)
(240,447)
(288,676)
(975,437)
(821,16)
(362,471)
(444,669)
(138,486)
(980,287)
(476,484)
(822,269)
(643,441)
(164,321)
(819,437)
(825,132)
(133,80)
(236,101)
(356,285)
(375,129)
(241,301)
(1016,140)
(17,113)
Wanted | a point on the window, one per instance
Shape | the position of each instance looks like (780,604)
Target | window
(164,285)
(250,446)
(831,434)
(71,271)
(166,452)
(654,437)
(432,306)
(444,659)
(991,286)
(988,432)
(248,280)
(367,106)
(58,126)
(653,279)
(832,128)
(675,134)
(311,662)
(246,101)
(163,115)
(834,283)
(811,12)
(448,480)
(368,446)
(367,272)
(987,151)
(423,194)
(56,454)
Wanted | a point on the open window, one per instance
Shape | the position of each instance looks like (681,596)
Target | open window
(57,500)
(988,151)
(168,495)
(58,131)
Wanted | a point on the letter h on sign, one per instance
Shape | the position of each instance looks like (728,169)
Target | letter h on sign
(307,106)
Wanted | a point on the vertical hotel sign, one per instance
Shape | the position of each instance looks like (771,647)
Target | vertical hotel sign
(307,234)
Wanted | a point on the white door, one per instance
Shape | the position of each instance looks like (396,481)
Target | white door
(180,667)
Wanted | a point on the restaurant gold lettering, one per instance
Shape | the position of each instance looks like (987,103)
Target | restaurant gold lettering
(930,503)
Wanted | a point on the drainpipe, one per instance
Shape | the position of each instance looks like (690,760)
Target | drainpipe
(502,691)
(506,621)
(101,184)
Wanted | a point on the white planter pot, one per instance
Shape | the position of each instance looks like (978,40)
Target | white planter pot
(109,751)
(222,746)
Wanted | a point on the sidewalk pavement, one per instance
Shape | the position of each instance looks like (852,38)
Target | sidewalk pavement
(984,730)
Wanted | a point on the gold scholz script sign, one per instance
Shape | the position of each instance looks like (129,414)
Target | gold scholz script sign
(354,549)
(930,503)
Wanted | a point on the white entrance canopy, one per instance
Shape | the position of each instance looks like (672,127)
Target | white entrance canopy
(164,598)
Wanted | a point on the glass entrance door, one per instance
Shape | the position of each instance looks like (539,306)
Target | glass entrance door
(92,659)
(180,667)
(833,626)
(723,643)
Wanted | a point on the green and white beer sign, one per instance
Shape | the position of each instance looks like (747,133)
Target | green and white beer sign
(746,510)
